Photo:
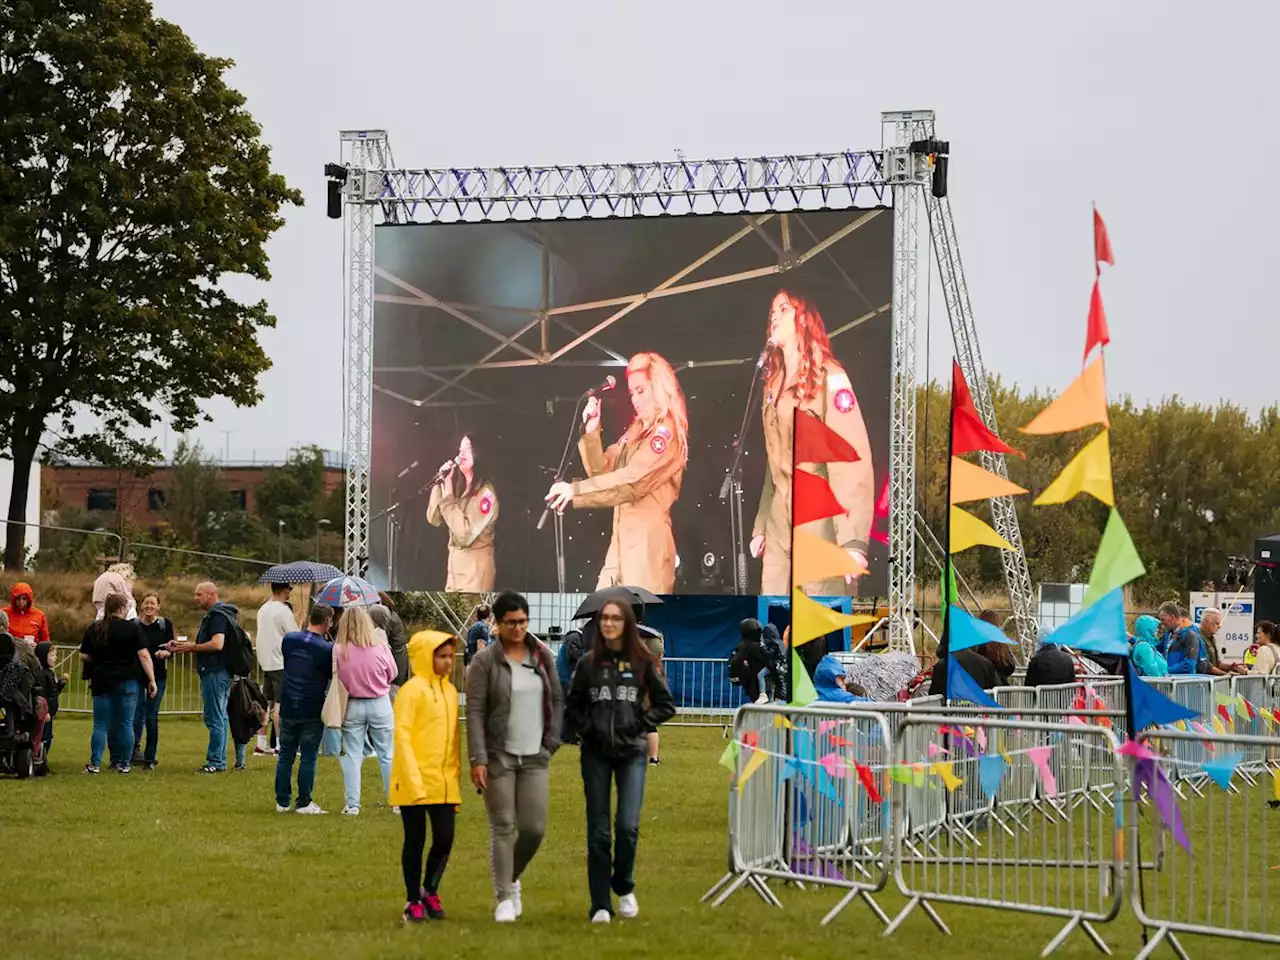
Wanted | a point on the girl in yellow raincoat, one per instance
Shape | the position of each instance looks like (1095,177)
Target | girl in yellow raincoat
(426,770)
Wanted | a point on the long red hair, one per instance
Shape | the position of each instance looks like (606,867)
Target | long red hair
(814,349)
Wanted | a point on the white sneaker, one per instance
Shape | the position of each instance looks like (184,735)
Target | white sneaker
(280,809)
(602,916)
(506,912)
(351,811)
(517,899)
(312,809)
(396,811)
(628,906)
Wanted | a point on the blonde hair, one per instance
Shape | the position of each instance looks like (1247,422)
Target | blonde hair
(125,570)
(666,392)
(355,628)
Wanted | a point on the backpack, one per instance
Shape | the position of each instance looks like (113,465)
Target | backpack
(237,649)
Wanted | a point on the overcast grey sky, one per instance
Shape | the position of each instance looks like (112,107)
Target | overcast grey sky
(1161,112)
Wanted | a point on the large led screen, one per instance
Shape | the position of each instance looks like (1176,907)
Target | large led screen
(626,349)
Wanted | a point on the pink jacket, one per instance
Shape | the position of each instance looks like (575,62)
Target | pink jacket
(366,672)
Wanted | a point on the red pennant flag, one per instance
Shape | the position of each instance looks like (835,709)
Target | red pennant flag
(968,433)
(1101,242)
(818,443)
(1098,334)
(869,781)
(1224,713)
(1249,707)
(815,499)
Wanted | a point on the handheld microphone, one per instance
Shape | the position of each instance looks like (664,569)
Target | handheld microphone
(607,384)
(444,471)
(764,354)
(405,472)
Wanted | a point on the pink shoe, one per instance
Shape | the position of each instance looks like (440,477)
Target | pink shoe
(434,908)
(414,912)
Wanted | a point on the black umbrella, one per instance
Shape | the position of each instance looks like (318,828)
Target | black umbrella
(632,596)
(300,571)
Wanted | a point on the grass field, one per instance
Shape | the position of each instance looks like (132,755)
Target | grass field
(170,865)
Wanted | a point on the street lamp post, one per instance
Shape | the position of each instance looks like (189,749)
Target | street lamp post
(280,536)
(319,527)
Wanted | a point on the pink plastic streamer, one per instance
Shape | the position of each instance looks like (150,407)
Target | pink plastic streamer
(1040,757)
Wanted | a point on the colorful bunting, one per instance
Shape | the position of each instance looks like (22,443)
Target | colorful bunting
(991,768)
(779,721)
(950,595)
(1135,749)
(968,631)
(970,482)
(961,686)
(802,692)
(1222,767)
(814,559)
(729,759)
(757,761)
(869,783)
(834,766)
(1152,708)
(811,619)
(1039,757)
(1098,629)
(946,770)
(1149,777)
(790,768)
(1082,404)
(1097,334)
(814,498)
(1117,562)
(968,433)
(751,738)
(1101,243)
(967,531)
(1088,472)
(817,443)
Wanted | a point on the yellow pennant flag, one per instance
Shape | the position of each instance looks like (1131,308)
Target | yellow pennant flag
(1081,404)
(1218,728)
(780,721)
(813,559)
(968,531)
(810,619)
(757,760)
(971,482)
(946,771)
(1088,472)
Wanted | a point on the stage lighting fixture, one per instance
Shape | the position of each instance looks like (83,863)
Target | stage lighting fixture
(337,177)
(938,152)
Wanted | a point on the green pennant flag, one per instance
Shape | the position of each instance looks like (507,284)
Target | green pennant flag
(729,759)
(802,692)
(1117,562)
(947,581)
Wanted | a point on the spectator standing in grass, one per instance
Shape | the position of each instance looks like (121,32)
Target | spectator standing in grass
(514,711)
(617,698)
(118,653)
(157,634)
(1146,660)
(426,774)
(367,669)
(397,641)
(308,668)
(1182,645)
(215,678)
(275,619)
(26,620)
(1210,624)
(49,683)
(117,578)
(478,633)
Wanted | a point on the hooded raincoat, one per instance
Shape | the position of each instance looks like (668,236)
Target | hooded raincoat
(426,765)
(824,682)
(1145,657)
(26,623)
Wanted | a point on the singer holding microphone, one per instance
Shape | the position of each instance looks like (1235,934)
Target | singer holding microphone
(464,500)
(802,375)
(639,476)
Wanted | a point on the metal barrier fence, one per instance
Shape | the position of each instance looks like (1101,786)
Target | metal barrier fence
(181,693)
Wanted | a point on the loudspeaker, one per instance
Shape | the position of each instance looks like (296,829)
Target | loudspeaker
(1266,594)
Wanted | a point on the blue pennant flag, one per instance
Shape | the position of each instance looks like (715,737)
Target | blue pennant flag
(790,768)
(965,631)
(1220,769)
(961,686)
(1151,707)
(990,773)
(1098,628)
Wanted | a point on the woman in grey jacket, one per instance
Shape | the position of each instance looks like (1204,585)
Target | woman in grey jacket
(514,711)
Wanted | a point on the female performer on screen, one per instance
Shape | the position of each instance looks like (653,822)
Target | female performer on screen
(802,375)
(639,476)
(464,500)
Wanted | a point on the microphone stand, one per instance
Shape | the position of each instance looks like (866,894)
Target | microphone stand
(558,517)
(732,485)
(392,514)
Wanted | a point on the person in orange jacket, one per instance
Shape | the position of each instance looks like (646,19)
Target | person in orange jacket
(26,620)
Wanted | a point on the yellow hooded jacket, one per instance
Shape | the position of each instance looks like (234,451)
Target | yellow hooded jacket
(426,765)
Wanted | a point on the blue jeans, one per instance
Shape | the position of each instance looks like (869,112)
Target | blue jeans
(374,719)
(297,736)
(611,862)
(331,743)
(113,722)
(147,715)
(215,690)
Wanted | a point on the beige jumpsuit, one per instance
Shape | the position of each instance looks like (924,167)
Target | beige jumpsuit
(471,520)
(639,476)
(852,483)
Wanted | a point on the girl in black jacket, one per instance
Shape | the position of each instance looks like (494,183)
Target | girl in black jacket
(616,699)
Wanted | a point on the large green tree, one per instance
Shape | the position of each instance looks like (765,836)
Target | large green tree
(133,182)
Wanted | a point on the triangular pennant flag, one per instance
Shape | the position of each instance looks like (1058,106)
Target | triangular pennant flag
(729,759)
(810,619)
(990,773)
(1151,707)
(1117,562)
(814,498)
(1098,629)
(970,482)
(780,721)
(869,783)
(1039,757)
(755,763)
(1088,472)
(945,770)
(1082,404)
(815,442)
(950,595)
(790,768)
(901,774)
(1101,241)
(1243,708)
(968,433)
(967,531)
(802,692)
(813,558)
(834,766)
(1148,776)
(961,686)
(1221,768)
(967,631)
(1097,333)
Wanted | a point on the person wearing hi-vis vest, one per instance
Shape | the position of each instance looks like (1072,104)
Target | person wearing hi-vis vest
(802,376)
(464,500)
(639,476)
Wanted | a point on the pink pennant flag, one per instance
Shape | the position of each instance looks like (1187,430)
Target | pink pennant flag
(934,750)
(1132,748)
(834,765)
(982,739)
(826,725)
(1076,721)
(1040,757)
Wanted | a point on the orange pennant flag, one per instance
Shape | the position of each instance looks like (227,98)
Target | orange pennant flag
(814,498)
(1082,404)
(814,559)
(971,482)
(818,443)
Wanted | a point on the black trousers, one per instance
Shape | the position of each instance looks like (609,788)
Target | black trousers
(414,819)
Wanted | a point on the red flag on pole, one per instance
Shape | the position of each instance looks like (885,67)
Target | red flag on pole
(814,498)
(1101,242)
(968,433)
(818,443)
(1098,334)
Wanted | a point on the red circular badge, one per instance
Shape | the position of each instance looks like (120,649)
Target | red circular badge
(657,443)
(486,504)
(844,400)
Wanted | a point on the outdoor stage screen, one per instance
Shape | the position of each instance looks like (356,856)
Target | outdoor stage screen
(487,337)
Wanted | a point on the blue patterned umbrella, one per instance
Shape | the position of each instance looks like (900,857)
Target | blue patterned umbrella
(347,592)
(300,571)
